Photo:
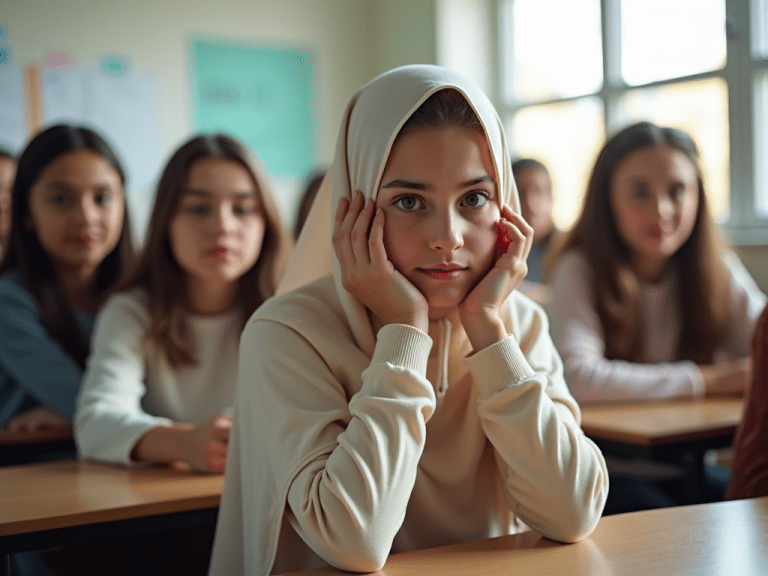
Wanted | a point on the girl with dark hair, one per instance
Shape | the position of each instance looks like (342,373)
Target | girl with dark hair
(354,436)
(69,242)
(647,304)
(160,381)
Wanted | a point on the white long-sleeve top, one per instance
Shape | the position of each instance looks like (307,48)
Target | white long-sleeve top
(578,335)
(129,387)
(340,458)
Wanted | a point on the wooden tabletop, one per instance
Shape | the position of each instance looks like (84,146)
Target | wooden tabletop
(63,494)
(8,438)
(652,423)
(719,539)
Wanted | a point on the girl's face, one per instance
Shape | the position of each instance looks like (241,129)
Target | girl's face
(441,204)
(655,198)
(76,209)
(7,172)
(218,228)
(535,189)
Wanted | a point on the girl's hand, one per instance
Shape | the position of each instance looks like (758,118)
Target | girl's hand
(38,418)
(206,445)
(366,271)
(727,378)
(480,312)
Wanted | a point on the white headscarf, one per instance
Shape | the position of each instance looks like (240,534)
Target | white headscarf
(370,125)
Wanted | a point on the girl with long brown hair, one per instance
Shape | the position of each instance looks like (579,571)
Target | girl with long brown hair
(161,378)
(69,241)
(647,303)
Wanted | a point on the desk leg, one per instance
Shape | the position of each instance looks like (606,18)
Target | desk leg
(7,565)
(694,483)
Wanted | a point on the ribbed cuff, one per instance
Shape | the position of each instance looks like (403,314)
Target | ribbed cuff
(498,366)
(403,345)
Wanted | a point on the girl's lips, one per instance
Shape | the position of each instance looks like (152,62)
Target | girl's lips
(219,252)
(442,273)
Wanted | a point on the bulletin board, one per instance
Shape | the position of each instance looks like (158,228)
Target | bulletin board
(260,94)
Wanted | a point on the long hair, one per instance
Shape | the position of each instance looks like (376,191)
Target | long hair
(26,256)
(160,275)
(704,282)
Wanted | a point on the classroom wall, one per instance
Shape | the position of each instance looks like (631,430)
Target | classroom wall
(350,38)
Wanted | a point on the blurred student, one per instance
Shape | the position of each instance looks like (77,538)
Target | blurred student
(68,244)
(7,172)
(310,191)
(749,471)
(160,381)
(647,303)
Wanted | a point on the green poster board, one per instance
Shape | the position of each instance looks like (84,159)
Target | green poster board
(261,95)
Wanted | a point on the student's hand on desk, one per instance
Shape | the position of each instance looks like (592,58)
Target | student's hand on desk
(727,378)
(366,270)
(38,418)
(480,312)
(206,445)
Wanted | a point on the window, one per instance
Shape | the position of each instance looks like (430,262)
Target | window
(572,71)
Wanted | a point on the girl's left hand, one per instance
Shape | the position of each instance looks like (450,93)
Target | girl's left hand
(38,418)
(480,311)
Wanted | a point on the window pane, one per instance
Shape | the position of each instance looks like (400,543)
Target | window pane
(761,145)
(701,109)
(759,19)
(551,48)
(566,137)
(664,39)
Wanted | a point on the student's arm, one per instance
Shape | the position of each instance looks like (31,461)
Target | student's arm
(31,357)
(749,472)
(578,335)
(357,457)
(109,418)
(555,478)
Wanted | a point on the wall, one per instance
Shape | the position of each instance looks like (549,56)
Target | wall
(155,36)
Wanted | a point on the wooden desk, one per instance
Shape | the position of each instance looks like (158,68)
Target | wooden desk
(66,502)
(719,539)
(25,447)
(678,431)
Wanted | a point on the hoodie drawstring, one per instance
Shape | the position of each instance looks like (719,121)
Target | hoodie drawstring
(443,350)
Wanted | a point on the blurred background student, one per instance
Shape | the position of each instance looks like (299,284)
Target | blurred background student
(161,378)
(68,244)
(647,303)
(749,471)
(534,186)
(7,172)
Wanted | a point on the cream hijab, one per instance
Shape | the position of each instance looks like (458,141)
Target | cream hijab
(370,125)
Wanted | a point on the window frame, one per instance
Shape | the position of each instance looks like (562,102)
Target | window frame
(742,70)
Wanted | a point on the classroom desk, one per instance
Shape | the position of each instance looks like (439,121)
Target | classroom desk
(678,431)
(719,539)
(24,447)
(68,502)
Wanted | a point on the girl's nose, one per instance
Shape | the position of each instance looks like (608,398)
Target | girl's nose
(445,232)
(224,220)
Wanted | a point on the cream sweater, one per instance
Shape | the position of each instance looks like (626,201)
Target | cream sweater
(343,458)
(130,388)
(578,335)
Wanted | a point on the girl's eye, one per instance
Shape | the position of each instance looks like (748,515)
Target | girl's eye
(409,202)
(475,199)
(677,193)
(639,193)
(62,200)
(197,209)
(103,199)
(245,209)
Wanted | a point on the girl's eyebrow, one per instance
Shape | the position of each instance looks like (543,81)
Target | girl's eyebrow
(408,184)
(206,194)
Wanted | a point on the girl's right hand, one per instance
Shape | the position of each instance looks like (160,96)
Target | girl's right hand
(727,378)
(206,446)
(38,418)
(367,272)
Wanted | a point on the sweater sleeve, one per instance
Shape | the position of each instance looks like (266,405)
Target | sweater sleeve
(349,497)
(109,419)
(749,472)
(578,335)
(36,363)
(554,477)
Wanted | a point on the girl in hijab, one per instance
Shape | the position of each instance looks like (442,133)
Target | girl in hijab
(407,396)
